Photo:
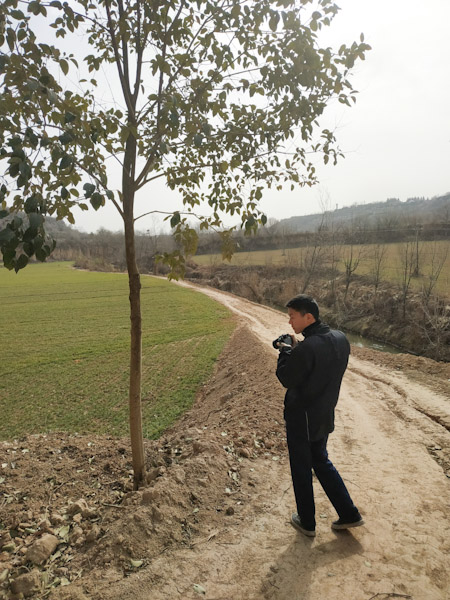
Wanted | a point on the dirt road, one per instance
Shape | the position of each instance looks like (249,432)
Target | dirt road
(214,524)
(388,428)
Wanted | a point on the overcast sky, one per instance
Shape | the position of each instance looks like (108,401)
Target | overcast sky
(397,136)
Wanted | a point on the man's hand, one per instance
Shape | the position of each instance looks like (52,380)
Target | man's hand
(284,341)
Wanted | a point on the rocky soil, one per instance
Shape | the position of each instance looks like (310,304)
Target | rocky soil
(212,520)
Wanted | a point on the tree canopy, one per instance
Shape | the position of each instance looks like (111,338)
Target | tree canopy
(220,99)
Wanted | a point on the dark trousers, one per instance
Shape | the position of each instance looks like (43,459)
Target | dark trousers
(305,456)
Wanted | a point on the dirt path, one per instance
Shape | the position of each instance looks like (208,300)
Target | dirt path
(383,446)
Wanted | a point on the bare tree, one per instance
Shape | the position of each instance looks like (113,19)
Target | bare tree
(438,258)
(352,256)
(417,252)
(313,260)
(436,326)
(314,255)
(407,256)
(378,253)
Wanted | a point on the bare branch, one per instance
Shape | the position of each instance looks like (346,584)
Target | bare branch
(123,81)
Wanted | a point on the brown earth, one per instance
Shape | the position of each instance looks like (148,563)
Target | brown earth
(213,519)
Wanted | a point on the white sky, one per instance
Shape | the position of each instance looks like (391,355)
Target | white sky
(397,136)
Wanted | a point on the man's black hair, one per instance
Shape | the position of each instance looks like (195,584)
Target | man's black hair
(304,304)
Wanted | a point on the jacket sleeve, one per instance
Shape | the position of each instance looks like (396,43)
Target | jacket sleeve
(294,366)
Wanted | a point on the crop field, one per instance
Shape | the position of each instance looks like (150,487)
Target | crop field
(429,253)
(64,341)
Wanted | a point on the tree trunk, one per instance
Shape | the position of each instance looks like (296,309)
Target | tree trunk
(137,444)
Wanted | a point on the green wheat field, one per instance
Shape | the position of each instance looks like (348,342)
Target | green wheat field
(64,357)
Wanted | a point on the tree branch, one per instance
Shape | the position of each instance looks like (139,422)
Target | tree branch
(123,82)
(126,72)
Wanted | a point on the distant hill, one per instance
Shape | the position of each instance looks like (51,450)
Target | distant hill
(392,212)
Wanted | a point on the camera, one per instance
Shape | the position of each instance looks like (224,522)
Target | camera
(283,341)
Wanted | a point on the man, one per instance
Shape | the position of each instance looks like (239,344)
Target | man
(312,372)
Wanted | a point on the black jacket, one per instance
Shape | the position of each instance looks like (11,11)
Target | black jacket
(312,372)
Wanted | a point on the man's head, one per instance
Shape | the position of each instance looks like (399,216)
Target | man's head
(303,311)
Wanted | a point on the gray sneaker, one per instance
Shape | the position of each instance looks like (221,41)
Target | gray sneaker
(343,524)
(295,522)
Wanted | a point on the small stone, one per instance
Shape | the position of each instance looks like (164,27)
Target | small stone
(149,496)
(77,535)
(42,549)
(179,475)
(4,571)
(245,452)
(57,519)
(45,526)
(26,584)
(78,507)
(199,589)
(229,511)
(198,447)
(157,515)
(93,534)
(152,475)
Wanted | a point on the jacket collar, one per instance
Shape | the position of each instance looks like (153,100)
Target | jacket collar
(315,328)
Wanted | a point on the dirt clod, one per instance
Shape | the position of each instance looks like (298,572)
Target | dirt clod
(26,584)
(42,549)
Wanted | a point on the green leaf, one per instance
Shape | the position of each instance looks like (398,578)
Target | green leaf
(273,22)
(65,162)
(18,15)
(16,223)
(38,242)
(66,137)
(36,220)
(21,35)
(64,66)
(6,236)
(89,189)
(31,204)
(28,248)
(21,262)
(97,200)
(41,255)
(10,38)
(175,220)
(69,117)
(9,258)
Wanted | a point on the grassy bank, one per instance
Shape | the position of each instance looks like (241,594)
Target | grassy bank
(65,350)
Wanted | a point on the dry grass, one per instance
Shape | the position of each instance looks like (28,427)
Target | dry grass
(429,253)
